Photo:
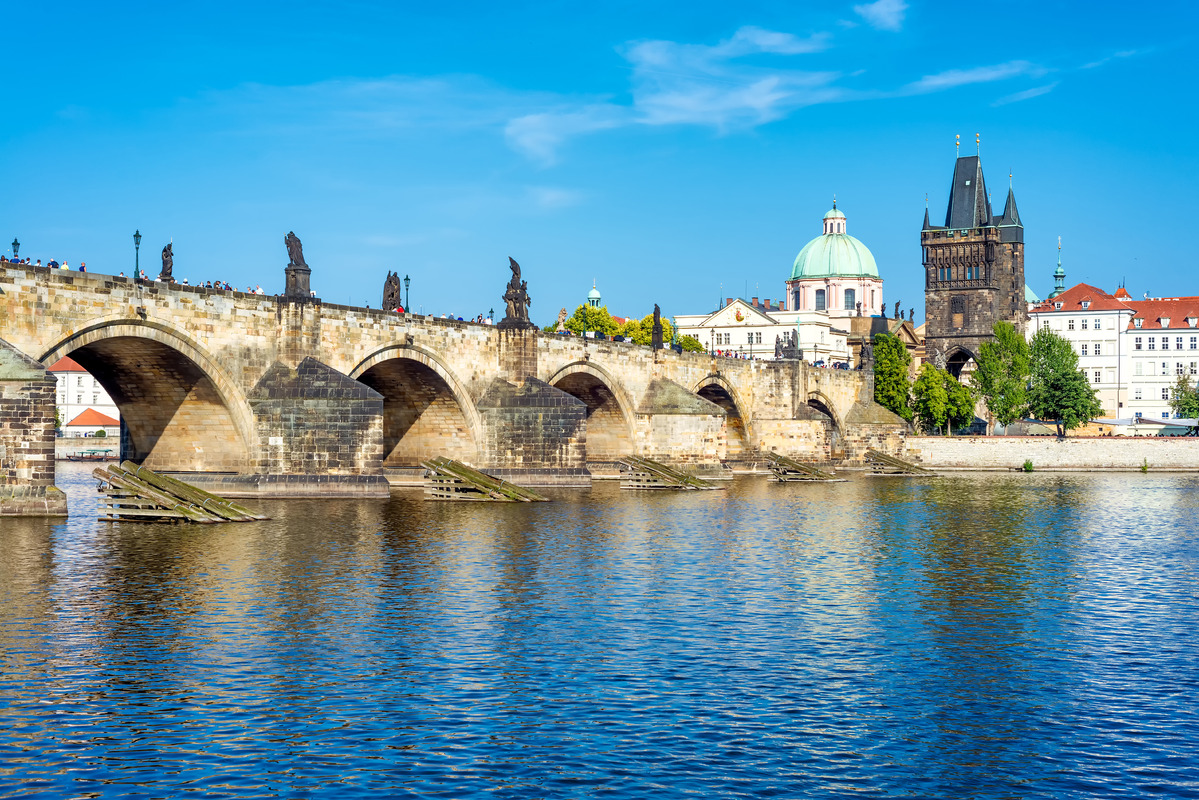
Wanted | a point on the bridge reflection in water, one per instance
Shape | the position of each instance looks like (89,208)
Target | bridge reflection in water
(1014,635)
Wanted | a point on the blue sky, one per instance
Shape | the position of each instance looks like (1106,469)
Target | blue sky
(662,149)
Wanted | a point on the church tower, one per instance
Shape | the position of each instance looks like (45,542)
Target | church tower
(973,269)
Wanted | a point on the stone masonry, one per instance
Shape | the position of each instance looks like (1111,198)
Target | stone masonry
(209,382)
(27,438)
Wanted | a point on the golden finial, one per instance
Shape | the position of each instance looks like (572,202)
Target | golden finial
(834,200)
(957,143)
(1059,243)
(977,144)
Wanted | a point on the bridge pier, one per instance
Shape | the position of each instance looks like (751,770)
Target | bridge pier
(27,438)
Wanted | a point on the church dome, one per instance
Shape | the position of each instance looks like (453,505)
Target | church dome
(834,254)
(594,294)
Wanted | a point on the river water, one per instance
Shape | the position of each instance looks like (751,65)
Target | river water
(975,636)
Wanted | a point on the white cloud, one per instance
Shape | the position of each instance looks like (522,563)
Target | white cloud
(540,135)
(885,15)
(953,78)
(552,198)
(1027,94)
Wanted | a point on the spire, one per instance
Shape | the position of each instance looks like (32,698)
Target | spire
(1011,215)
(968,203)
(1059,274)
(927,226)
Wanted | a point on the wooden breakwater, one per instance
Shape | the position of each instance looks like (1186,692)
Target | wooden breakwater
(134,493)
(447,479)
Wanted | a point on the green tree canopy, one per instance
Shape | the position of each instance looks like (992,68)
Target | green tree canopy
(587,317)
(1057,390)
(641,331)
(939,399)
(1001,374)
(892,387)
(930,400)
(691,345)
(1184,398)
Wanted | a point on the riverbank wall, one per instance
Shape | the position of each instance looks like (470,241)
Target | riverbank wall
(1077,454)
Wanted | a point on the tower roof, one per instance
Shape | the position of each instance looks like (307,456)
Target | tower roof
(968,203)
(1011,215)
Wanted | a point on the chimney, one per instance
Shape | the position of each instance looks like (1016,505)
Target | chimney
(730,302)
(766,302)
(755,303)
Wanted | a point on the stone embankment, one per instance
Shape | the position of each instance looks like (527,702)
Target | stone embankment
(1075,454)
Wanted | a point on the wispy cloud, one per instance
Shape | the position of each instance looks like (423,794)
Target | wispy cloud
(953,78)
(1027,94)
(540,135)
(1104,60)
(885,15)
(552,198)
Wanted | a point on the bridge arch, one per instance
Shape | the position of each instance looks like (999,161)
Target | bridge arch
(959,360)
(717,389)
(818,401)
(180,410)
(610,428)
(427,411)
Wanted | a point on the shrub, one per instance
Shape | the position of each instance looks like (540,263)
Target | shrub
(1028,465)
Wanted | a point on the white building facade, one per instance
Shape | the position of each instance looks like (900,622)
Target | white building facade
(1132,351)
(749,329)
(76,392)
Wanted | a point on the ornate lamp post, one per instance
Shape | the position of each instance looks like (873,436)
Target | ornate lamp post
(407,307)
(137,245)
(16,246)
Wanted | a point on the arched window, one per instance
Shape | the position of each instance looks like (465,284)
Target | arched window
(957,311)
(820,306)
(796,299)
(851,300)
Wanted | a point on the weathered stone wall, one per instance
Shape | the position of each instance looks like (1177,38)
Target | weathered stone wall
(1050,453)
(27,437)
(185,363)
(532,426)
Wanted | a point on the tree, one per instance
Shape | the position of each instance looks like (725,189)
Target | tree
(930,400)
(940,399)
(588,317)
(1184,398)
(641,331)
(1001,374)
(892,387)
(1057,390)
(691,345)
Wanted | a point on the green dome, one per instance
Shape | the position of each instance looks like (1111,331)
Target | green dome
(836,255)
(594,294)
(834,214)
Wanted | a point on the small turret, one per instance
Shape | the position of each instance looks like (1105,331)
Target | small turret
(1059,274)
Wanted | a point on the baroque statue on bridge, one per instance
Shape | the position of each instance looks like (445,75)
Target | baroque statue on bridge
(295,251)
(561,322)
(168,263)
(517,301)
(897,310)
(656,332)
(392,299)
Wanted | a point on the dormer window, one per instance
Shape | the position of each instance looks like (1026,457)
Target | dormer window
(1086,304)
(1057,306)
(1165,321)
(1192,321)
(1137,323)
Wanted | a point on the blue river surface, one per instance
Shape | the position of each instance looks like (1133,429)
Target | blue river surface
(968,636)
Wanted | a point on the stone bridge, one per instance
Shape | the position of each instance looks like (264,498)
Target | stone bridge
(278,397)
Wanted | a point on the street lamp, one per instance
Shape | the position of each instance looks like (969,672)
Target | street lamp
(137,245)
(15,247)
(407,307)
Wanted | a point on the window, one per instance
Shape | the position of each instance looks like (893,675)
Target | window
(1084,349)
(957,311)
(1045,325)
(795,300)
(758,337)
(1165,415)
(1136,323)
(1165,321)
(1069,324)
(1152,341)
(750,338)
(1096,376)
(1097,346)
(1194,365)
(851,300)
(1097,323)
(1085,305)
(1136,343)
(1136,395)
(1165,393)
(1165,368)
(1195,342)
(1057,306)
(1178,368)
(96,397)
(1138,368)
(1177,342)
(1084,323)
(79,381)
(820,304)
(79,399)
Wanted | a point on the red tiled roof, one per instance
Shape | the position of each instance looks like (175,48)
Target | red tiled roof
(1175,309)
(91,417)
(65,364)
(1122,294)
(1073,298)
